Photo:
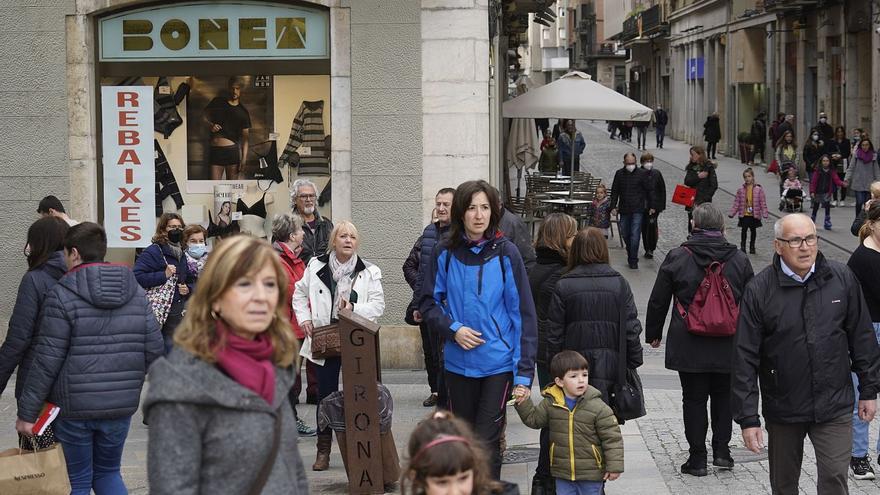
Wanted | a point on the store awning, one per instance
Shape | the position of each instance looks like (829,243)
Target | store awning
(575,96)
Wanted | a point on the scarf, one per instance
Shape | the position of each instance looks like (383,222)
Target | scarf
(342,276)
(176,249)
(865,156)
(248,362)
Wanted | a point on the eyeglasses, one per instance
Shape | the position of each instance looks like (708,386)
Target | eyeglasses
(796,242)
(307,196)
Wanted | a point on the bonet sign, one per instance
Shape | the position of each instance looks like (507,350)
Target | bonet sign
(221,31)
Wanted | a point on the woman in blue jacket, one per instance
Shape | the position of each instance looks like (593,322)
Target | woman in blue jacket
(45,257)
(159,262)
(476,293)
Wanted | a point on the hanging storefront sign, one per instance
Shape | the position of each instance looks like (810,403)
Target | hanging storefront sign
(128,165)
(217,31)
(694,68)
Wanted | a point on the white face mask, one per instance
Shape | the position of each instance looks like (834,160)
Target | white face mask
(648,165)
(630,168)
(815,137)
(823,120)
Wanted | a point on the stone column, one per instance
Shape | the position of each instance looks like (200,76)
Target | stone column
(455,106)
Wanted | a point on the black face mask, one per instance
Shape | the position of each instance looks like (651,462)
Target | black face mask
(175,235)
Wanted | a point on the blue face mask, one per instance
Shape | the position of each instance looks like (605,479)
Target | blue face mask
(196,250)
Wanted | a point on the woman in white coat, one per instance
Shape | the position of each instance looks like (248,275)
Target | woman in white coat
(336,280)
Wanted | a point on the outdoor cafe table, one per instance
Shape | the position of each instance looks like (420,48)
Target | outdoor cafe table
(566,203)
(564,181)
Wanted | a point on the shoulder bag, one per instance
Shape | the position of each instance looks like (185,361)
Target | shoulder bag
(627,400)
(326,342)
(161,297)
(266,470)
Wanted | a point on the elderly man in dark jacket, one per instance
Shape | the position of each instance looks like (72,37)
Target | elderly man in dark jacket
(432,345)
(803,325)
(316,228)
(631,192)
(703,363)
(97,338)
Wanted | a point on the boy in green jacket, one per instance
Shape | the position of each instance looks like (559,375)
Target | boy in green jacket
(586,447)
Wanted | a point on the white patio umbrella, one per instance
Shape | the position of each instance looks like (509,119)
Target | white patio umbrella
(522,147)
(575,96)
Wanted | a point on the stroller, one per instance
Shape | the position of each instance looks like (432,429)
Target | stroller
(792,201)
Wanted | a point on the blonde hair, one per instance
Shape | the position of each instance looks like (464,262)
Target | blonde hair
(875,189)
(343,225)
(236,257)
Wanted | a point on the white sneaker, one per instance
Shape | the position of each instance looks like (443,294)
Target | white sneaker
(834,203)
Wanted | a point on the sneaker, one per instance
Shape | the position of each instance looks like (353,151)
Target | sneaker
(694,469)
(649,255)
(827,225)
(303,429)
(431,401)
(634,265)
(752,250)
(834,204)
(861,468)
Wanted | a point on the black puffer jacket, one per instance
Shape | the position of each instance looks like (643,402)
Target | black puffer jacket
(32,292)
(432,234)
(97,338)
(632,191)
(550,265)
(658,185)
(712,129)
(705,187)
(585,317)
(315,241)
(677,280)
(802,340)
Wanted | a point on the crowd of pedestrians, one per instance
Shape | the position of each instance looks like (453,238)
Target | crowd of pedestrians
(220,334)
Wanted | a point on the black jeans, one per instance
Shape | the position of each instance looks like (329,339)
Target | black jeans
(661,133)
(650,231)
(482,402)
(711,148)
(696,390)
(542,470)
(328,382)
(430,351)
(641,135)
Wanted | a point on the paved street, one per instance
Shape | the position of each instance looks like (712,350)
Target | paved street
(655,445)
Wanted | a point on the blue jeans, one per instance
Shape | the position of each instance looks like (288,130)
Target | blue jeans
(861,429)
(862,197)
(565,487)
(630,226)
(93,451)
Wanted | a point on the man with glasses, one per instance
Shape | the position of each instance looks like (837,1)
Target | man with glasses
(317,228)
(631,192)
(803,325)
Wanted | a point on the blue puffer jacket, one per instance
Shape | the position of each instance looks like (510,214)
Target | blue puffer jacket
(149,269)
(97,338)
(32,292)
(484,287)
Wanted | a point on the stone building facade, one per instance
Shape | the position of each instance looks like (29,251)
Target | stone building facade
(408,112)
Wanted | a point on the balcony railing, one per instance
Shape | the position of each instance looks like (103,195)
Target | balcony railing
(644,23)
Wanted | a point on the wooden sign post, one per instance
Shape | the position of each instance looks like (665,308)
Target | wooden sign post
(360,374)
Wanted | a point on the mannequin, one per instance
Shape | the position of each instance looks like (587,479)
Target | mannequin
(253,208)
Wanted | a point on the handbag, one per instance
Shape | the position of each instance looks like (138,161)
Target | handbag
(326,342)
(161,297)
(36,472)
(774,167)
(628,398)
(684,195)
(266,469)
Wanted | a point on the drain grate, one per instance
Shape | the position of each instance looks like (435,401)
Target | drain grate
(520,455)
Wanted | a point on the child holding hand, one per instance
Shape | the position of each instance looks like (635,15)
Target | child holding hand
(595,453)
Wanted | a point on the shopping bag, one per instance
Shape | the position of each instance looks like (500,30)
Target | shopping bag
(41,472)
(773,168)
(684,195)
(161,297)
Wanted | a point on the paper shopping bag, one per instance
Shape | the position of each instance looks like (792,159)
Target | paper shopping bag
(684,195)
(41,472)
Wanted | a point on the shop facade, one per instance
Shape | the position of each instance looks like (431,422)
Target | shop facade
(395,95)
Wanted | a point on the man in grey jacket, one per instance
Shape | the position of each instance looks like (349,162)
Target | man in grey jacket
(97,337)
(515,229)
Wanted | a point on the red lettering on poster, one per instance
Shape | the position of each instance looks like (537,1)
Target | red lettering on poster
(129,195)
(127,118)
(125,96)
(129,156)
(130,213)
(128,138)
(130,233)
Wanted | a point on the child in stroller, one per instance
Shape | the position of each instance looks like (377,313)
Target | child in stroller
(792,199)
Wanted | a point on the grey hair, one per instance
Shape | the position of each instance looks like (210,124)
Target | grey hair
(708,217)
(284,225)
(778,226)
(297,184)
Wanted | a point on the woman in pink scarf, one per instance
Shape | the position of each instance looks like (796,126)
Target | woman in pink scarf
(217,406)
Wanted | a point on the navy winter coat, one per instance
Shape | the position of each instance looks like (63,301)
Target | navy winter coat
(32,292)
(97,338)
(149,269)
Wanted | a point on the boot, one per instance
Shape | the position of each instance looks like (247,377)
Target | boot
(322,460)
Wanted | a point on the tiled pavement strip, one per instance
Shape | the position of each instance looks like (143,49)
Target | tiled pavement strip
(655,445)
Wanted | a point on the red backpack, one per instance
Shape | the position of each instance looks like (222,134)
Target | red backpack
(713,311)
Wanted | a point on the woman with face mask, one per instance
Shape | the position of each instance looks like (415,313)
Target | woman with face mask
(650,232)
(196,250)
(160,262)
(813,149)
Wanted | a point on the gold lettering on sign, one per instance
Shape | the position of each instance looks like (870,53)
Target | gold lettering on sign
(132,39)
(175,34)
(252,34)
(290,32)
(213,34)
